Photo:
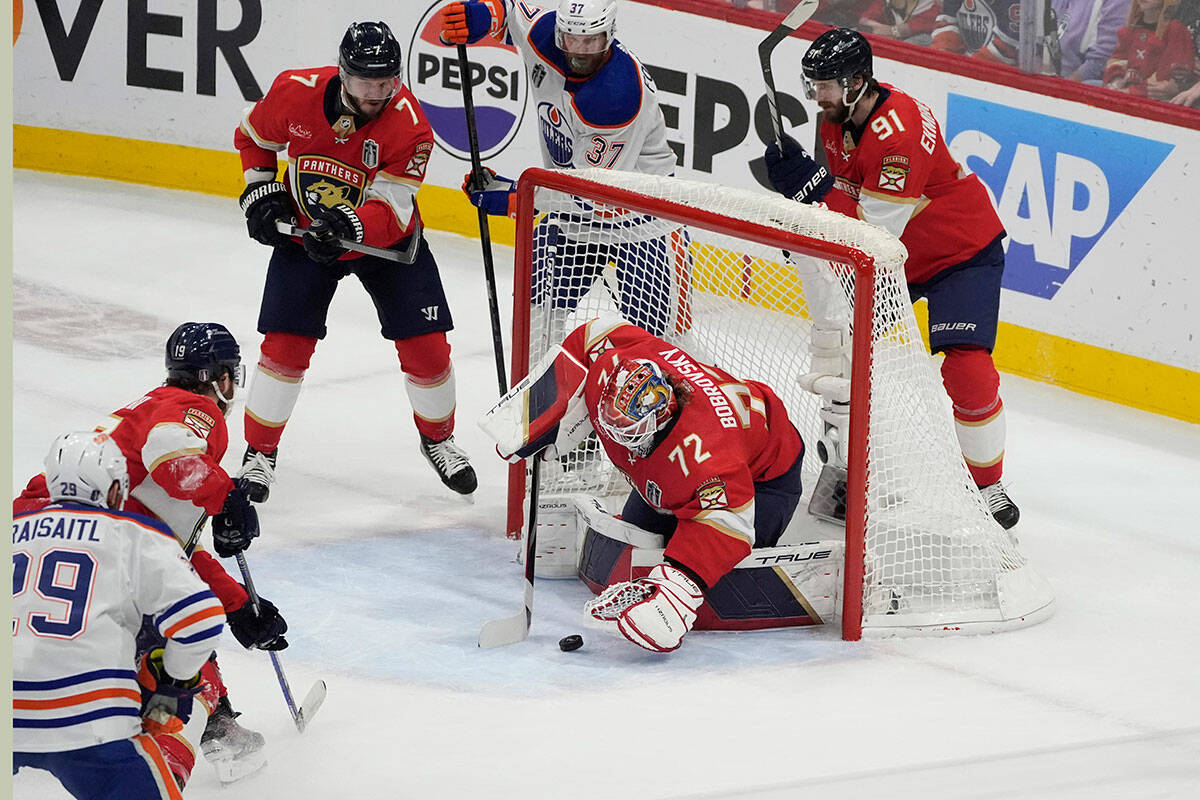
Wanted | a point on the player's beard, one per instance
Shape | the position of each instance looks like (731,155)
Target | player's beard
(584,65)
(364,109)
(836,113)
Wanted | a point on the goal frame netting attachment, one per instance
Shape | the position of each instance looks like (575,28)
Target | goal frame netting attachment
(857,254)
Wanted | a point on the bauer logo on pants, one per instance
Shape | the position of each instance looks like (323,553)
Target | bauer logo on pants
(1058,185)
(499,89)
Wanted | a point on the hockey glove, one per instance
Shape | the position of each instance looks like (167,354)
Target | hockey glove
(653,612)
(163,696)
(464,23)
(237,524)
(329,225)
(264,203)
(494,193)
(795,174)
(263,631)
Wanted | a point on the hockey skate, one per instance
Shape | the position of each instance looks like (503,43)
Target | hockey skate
(235,752)
(1003,509)
(259,471)
(450,463)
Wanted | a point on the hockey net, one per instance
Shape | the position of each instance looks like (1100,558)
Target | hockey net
(743,280)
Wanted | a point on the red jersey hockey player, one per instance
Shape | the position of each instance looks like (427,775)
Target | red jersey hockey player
(891,167)
(173,439)
(714,461)
(357,144)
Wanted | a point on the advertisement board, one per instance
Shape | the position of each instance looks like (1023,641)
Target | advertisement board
(1101,283)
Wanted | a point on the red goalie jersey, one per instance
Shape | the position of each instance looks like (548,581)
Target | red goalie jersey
(376,169)
(729,434)
(897,173)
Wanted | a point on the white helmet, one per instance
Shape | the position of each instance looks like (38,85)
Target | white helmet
(81,467)
(584,18)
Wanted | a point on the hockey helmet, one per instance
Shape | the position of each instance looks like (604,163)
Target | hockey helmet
(369,50)
(635,404)
(203,351)
(838,54)
(81,467)
(585,27)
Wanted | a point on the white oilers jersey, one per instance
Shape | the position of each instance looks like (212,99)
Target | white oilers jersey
(609,120)
(82,580)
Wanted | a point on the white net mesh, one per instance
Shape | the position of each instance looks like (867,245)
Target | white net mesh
(933,556)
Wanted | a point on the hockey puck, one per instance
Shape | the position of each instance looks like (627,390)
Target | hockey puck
(569,643)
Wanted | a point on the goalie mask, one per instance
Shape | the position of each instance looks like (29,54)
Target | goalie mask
(636,403)
(82,467)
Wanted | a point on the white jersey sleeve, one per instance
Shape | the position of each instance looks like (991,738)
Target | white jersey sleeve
(609,120)
(83,578)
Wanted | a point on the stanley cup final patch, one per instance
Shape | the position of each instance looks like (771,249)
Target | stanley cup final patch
(711,494)
(893,173)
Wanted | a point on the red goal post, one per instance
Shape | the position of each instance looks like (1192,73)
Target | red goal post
(751,282)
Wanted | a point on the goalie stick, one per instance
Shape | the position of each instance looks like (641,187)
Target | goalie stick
(303,714)
(510,630)
(798,16)
(406,256)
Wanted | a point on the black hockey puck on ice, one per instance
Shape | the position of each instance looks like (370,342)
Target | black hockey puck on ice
(569,643)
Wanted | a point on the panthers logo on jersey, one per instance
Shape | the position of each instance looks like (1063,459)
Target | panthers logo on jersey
(324,182)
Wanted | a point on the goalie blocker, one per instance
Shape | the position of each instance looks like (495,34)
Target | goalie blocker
(774,587)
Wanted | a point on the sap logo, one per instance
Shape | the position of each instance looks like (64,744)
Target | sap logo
(1058,185)
(499,89)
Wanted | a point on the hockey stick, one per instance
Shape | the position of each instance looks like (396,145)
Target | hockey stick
(510,630)
(798,16)
(303,714)
(406,256)
(485,233)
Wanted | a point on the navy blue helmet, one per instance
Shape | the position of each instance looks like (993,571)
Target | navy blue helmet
(369,50)
(838,54)
(202,351)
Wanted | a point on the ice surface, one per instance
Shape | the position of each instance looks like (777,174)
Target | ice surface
(385,576)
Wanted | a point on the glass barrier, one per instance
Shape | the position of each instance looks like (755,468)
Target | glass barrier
(1145,48)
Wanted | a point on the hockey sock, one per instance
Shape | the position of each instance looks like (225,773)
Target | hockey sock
(283,360)
(429,380)
(973,384)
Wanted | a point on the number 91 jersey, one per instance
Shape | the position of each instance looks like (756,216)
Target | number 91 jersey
(729,434)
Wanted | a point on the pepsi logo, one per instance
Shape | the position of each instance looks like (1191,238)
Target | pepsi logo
(499,89)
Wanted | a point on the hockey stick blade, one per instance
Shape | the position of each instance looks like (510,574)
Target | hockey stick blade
(406,256)
(509,630)
(797,17)
(311,705)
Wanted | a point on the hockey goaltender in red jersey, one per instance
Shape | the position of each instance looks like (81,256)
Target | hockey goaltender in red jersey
(714,461)
(892,168)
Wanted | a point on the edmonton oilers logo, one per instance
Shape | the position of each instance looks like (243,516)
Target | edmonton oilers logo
(554,132)
(499,89)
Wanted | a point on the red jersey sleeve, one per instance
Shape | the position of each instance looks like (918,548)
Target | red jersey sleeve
(716,526)
(264,128)
(35,496)
(389,212)
(231,593)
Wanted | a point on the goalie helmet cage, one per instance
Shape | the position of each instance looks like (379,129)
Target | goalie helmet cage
(736,279)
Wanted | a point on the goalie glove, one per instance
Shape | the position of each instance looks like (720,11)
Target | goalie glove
(163,696)
(494,193)
(653,612)
(328,226)
(794,173)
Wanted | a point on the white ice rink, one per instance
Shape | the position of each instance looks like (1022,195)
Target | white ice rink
(385,577)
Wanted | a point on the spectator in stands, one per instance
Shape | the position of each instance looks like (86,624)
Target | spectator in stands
(1189,15)
(1087,35)
(1155,55)
(910,20)
(985,29)
(844,13)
